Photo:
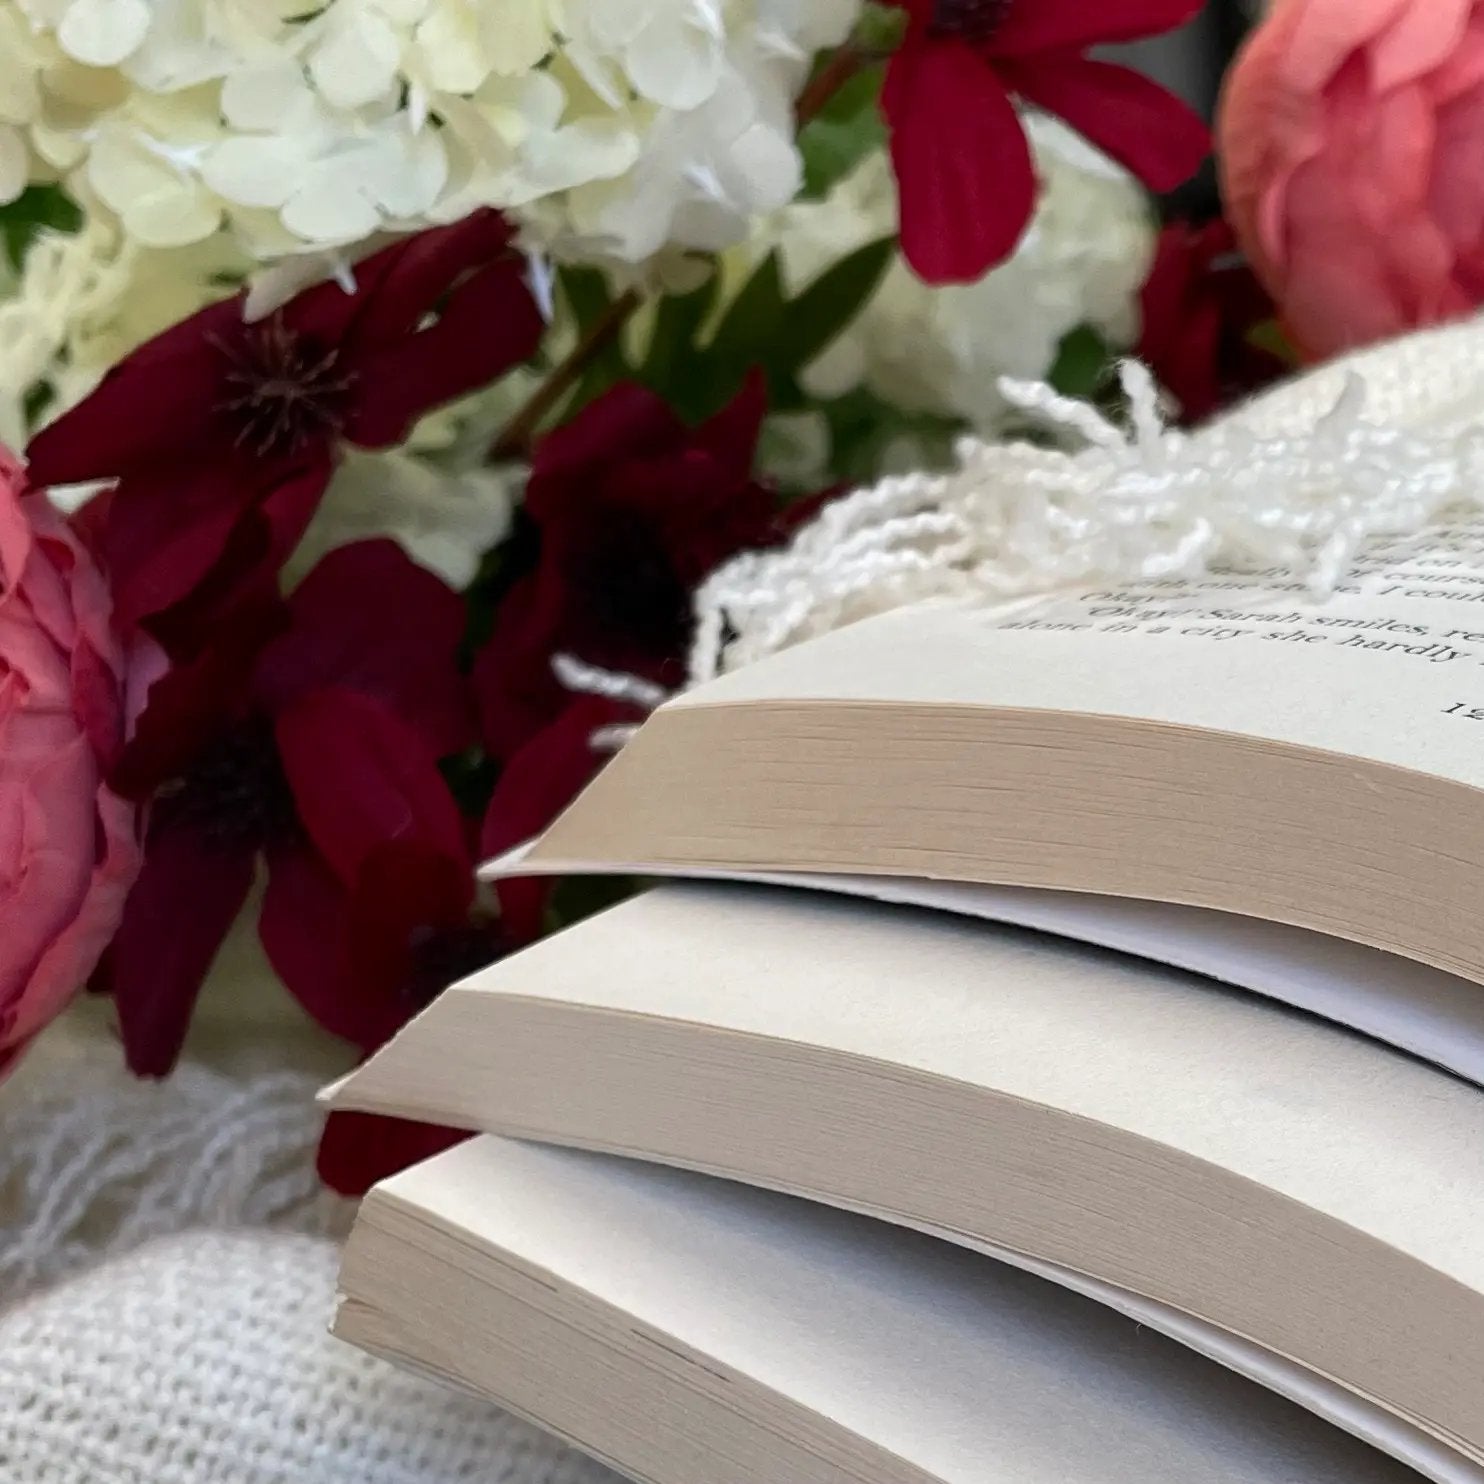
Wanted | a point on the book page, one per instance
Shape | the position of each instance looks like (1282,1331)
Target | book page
(1412,1006)
(1348,1128)
(1389,668)
(939,1356)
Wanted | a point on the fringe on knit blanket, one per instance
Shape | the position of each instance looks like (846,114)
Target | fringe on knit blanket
(92,1162)
(1297,480)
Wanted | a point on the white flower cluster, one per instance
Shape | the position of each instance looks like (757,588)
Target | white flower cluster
(1082,261)
(614,128)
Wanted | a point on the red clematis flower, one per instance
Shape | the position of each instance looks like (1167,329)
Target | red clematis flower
(1201,306)
(307,736)
(222,435)
(963,166)
(632,508)
(537,783)
(357,1150)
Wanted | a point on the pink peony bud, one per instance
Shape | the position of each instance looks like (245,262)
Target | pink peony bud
(69,847)
(1351,141)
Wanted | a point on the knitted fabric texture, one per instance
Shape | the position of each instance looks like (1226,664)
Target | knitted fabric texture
(94,1161)
(204,1359)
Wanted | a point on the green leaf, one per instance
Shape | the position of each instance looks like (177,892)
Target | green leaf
(589,297)
(587,294)
(753,320)
(1082,364)
(829,304)
(843,133)
(864,429)
(678,323)
(37,209)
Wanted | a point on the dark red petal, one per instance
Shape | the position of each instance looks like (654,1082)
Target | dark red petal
(731,436)
(1159,138)
(1067,25)
(167,527)
(490,323)
(345,952)
(186,898)
(400,285)
(963,166)
(626,422)
(146,410)
(281,500)
(363,777)
(403,891)
(359,1149)
(537,784)
(290,501)
(306,933)
(369,619)
(196,699)
(515,688)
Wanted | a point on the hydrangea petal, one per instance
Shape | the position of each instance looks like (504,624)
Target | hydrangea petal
(102,33)
(357,61)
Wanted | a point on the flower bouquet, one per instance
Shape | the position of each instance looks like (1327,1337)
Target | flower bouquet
(386,376)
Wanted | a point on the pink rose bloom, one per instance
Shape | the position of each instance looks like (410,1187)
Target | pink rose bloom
(1351,141)
(69,848)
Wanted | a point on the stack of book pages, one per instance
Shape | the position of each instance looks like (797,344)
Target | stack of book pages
(1049,1049)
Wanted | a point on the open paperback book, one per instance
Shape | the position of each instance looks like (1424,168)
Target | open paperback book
(1225,775)
(690,1331)
(1292,1200)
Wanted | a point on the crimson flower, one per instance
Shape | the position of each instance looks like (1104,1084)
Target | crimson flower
(358,1149)
(543,777)
(222,435)
(306,737)
(963,165)
(632,509)
(1201,304)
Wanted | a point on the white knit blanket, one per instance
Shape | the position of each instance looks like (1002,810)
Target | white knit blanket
(202,1359)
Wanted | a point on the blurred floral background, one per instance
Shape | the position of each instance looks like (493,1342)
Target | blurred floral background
(364,360)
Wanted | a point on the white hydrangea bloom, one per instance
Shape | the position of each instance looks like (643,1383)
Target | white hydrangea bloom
(287,153)
(613,130)
(669,51)
(20,102)
(84,301)
(1082,260)
(702,177)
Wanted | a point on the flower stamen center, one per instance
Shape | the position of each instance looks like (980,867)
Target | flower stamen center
(283,391)
(969,20)
(236,792)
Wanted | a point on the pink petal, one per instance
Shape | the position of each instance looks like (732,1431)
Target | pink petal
(1153,133)
(1419,40)
(964,174)
(1319,38)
